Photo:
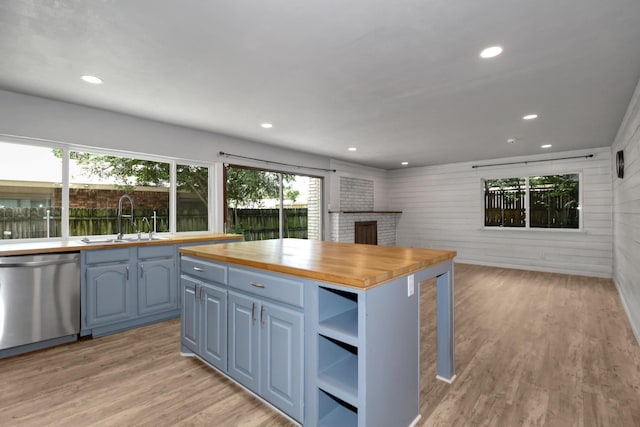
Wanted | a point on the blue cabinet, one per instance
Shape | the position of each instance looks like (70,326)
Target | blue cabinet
(190,320)
(266,345)
(265,351)
(127,287)
(157,290)
(281,358)
(244,357)
(204,320)
(110,294)
(249,325)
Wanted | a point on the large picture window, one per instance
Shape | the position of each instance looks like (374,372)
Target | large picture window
(38,199)
(547,201)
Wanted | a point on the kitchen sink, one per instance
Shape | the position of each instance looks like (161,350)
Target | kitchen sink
(102,240)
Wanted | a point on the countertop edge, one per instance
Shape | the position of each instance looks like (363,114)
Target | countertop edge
(342,280)
(32,248)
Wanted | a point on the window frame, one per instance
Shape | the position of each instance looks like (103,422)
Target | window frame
(66,148)
(527,227)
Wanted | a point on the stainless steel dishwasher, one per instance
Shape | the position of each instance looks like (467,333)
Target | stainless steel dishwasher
(39,300)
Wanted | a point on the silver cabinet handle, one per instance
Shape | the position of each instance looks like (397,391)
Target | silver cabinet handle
(127,272)
(198,269)
(256,284)
(253,309)
(141,270)
(261,315)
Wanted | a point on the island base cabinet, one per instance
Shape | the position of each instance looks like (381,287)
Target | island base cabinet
(189,323)
(204,321)
(281,368)
(244,358)
(265,351)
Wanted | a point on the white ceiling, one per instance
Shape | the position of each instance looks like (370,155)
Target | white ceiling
(398,79)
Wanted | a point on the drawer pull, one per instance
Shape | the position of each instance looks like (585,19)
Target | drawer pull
(256,284)
(198,269)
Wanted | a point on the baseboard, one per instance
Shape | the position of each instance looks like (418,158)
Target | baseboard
(542,269)
(415,422)
(635,328)
(446,380)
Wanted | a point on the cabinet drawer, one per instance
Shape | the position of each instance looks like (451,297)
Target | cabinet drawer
(274,287)
(161,251)
(204,269)
(107,255)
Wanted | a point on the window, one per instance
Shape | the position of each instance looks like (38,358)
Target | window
(192,198)
(551,201)
(30,192)
(38,200)
(253,208)
(504,202)
(97,184)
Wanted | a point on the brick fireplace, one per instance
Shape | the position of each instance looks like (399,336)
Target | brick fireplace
(356,206)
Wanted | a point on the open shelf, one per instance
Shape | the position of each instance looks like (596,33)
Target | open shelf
(338,369)
(335,412)
(338,314)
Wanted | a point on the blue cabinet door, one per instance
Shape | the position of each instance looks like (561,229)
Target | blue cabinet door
(244,341)
(157,290)
(110,294)
(189,322)
(213,319)
(281,358)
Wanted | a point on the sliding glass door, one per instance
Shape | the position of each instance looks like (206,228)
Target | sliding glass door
(264,204)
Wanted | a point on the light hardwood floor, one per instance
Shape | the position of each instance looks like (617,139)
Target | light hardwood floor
(535,349)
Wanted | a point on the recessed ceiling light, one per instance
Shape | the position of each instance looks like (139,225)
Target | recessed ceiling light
(491,52)
(404,163)
(92,79)
(530,117)
(545,146)
(352,148)
(266,125)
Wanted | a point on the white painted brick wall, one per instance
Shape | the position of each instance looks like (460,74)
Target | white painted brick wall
(343,226)
(356,194)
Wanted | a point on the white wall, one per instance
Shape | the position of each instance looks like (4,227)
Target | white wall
(34,117)
(626,213)
(443,208)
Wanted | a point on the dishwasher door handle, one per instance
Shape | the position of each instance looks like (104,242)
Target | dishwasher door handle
(35,263)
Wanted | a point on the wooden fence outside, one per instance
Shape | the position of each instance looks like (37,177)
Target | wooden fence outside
(507,209)
(255,224)
(261,224)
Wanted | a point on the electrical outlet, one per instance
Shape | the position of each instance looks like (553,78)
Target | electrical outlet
(410,285)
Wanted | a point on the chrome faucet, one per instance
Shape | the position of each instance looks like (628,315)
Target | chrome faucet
(120,215)
(145,219)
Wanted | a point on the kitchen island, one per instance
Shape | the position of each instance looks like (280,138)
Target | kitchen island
(328,333)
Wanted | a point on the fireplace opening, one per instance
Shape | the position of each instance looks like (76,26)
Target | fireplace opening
(366,232)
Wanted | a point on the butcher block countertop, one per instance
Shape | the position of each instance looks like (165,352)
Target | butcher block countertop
(31,248)
(353,265)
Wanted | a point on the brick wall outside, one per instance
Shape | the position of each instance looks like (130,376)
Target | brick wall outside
(87,198)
